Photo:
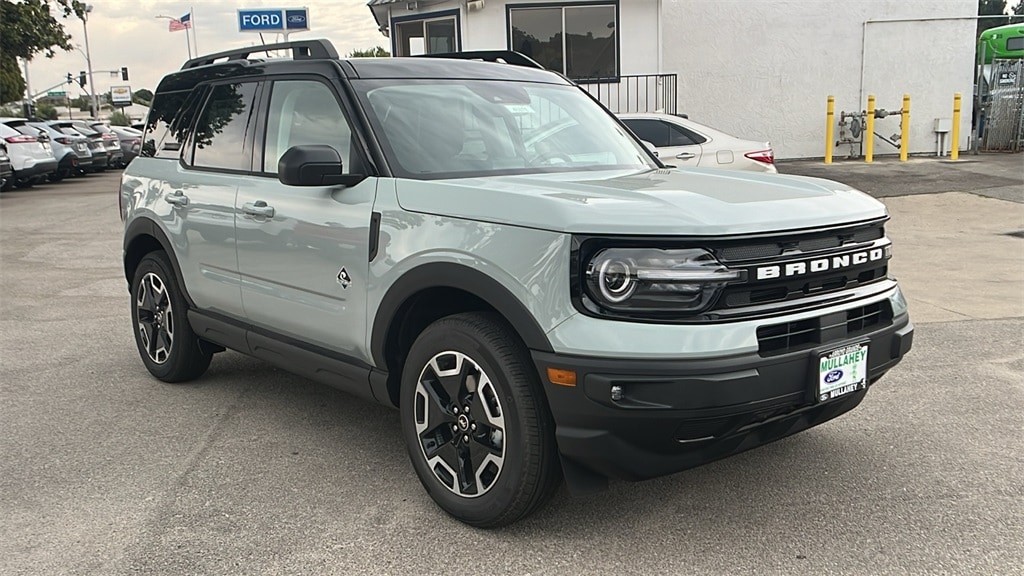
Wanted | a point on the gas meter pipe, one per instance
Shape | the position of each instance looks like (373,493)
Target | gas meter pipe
(830,114)
(905,128)
(869,132)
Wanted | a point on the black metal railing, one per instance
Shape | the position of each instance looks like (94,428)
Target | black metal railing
(634,93)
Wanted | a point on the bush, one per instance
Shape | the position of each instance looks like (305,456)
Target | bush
(46,111)
(120,119)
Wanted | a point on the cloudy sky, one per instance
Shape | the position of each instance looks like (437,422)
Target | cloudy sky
(128,33)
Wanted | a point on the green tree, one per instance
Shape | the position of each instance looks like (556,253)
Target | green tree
(120,119)
(46,111)
(142,96)
(375,52)
(27,28)
(991,8)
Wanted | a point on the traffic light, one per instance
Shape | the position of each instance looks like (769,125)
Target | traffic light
(71,79)
(29,109)
(81,79)
(124,73)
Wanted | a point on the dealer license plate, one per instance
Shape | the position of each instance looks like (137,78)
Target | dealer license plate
(842,371)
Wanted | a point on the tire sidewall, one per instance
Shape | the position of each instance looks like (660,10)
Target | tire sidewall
(505,489)
(156,263)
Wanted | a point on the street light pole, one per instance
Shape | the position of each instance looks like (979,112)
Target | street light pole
(88,61)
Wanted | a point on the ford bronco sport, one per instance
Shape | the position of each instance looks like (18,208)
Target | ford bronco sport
(477,242)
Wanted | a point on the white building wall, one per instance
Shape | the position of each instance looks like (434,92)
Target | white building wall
(762,69)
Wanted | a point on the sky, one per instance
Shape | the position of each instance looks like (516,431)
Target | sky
(128,33)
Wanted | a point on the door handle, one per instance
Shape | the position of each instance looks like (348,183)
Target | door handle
(685,155)
(258,208)
(177,198)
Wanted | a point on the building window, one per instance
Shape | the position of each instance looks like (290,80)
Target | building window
(436,33)
(578,40)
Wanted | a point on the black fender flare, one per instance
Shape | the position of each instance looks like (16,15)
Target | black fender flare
(460,277)
(147,227)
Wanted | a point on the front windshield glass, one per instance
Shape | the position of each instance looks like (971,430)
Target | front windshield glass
(433,129)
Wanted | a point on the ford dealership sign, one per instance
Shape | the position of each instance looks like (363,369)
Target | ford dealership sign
(273,19)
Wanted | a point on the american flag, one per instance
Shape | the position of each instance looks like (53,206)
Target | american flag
(183,23)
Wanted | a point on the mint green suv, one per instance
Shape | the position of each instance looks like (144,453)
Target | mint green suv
(478,243)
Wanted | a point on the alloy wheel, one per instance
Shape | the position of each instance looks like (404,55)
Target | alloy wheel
(156,322)
(460,424)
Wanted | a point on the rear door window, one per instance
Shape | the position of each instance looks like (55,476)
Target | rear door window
(654,131)
(170,122)
(219,138)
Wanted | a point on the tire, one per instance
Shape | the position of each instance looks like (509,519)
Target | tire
(511,451)
(168,346)
(56,176)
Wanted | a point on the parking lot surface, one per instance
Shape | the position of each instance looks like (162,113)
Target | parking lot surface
(251,470)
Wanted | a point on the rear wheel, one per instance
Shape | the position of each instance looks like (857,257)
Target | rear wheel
(475,421)
(168,346)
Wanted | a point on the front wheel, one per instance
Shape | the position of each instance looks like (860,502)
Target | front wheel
(476,422)
(168,346)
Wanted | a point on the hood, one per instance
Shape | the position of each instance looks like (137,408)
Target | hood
(698,202)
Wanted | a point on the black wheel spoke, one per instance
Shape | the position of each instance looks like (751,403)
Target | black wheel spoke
(435,439)
(147,304)
(466,470)
(489,440)
(163,340)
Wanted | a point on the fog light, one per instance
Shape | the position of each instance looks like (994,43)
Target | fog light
(616,392)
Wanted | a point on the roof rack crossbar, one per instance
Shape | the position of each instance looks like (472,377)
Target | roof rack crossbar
(317,49)
(499,56)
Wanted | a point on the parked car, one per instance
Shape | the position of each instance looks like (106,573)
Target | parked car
(31,156)
(131,142)
(682,142)
(112,143)
(72,152)
(536,303)
(6,171)
(97,147)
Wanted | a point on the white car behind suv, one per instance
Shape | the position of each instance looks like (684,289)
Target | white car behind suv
(683,142)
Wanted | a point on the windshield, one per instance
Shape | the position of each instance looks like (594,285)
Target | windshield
(435,129)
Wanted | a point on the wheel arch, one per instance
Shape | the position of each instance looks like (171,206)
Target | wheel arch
(432,291)
(142,237)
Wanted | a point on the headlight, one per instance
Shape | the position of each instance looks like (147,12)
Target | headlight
(631,281)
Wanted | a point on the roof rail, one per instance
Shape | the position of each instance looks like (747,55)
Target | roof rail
(499,56)
(301,50)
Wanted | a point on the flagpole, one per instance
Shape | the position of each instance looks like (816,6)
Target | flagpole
(192,18)
(188,44)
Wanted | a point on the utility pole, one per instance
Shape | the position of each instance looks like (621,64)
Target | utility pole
(88,61)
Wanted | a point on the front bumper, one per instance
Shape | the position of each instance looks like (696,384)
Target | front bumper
(678,414)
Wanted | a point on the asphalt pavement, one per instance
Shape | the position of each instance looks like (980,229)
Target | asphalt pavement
(250,470)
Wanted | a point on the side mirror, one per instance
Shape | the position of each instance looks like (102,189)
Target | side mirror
(651,147)
(314,165)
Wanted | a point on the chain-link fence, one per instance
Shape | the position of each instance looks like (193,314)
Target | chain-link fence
(1003,105)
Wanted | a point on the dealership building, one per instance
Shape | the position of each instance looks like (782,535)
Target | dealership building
(759,69)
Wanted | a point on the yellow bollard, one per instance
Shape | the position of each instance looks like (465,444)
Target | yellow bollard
(905,128)
(954,147)
(830,115)
(869,132)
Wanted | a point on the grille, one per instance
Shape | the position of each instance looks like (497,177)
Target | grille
(805,334)
(807,243)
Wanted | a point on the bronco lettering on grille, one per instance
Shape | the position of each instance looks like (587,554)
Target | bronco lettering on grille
(821,264)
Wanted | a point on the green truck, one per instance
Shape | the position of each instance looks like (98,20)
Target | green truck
(1002,42)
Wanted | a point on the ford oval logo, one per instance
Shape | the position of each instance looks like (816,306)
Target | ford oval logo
(296,19)
(833,376)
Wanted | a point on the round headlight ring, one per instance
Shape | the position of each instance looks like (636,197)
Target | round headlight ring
(615,280)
